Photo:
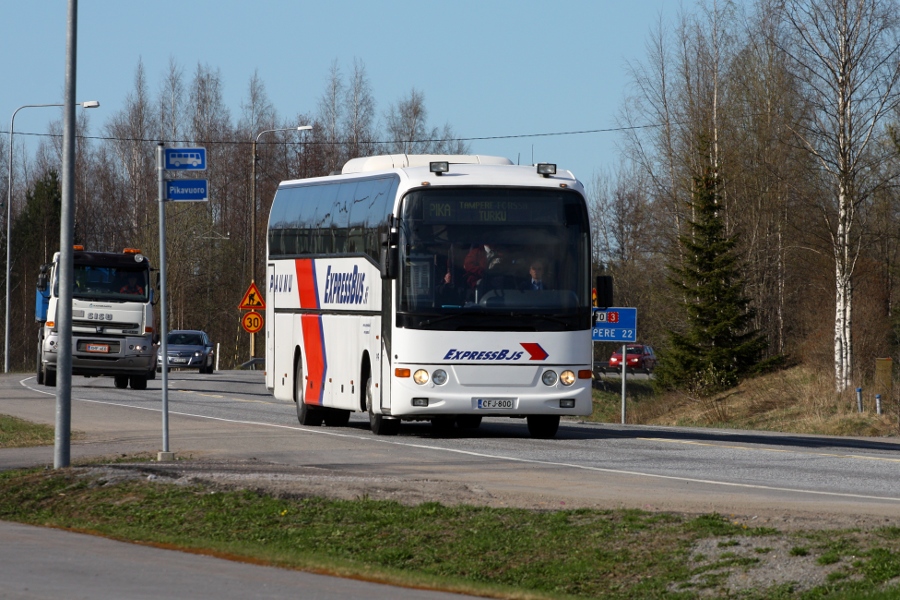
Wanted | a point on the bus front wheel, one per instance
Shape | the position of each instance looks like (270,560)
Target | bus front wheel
(543,427)
(379,424)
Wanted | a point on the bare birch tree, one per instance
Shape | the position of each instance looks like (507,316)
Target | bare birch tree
(330,117)
(846,54)
(131,130)
(359,113)
(408,131)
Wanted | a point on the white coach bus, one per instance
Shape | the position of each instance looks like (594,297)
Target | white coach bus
(441,288)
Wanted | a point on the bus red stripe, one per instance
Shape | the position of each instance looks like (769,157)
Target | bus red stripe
(313,337)
(306,283)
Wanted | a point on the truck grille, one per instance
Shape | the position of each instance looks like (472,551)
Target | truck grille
(106,325)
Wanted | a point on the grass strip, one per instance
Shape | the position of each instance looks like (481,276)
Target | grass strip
(498,552)
(17,433)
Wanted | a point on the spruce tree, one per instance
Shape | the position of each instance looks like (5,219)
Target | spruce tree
(718,345)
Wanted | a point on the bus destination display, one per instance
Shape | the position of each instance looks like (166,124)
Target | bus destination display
(470,210)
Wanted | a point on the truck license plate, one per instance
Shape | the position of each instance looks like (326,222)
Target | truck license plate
(96,348)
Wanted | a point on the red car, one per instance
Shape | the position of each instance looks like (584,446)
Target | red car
(638,357)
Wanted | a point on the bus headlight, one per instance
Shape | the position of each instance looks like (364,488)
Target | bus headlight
(421,376)
(549,378)
(567,378)
(439,377)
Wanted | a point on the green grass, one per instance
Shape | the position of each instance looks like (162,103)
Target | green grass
(488,551)
(16,433)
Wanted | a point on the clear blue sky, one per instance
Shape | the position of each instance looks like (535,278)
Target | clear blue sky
(487,67)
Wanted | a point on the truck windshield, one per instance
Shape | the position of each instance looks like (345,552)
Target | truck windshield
(494,259)
(109,283)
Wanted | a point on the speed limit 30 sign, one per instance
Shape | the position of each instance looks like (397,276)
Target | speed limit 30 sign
(252,322)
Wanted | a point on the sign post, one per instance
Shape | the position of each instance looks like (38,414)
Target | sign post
(616,325)
(173,159)
(252,322)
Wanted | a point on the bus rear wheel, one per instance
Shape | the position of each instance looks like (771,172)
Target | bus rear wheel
(305,414)
(543,427)
(379,424)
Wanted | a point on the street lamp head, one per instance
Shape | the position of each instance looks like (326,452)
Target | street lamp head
(90,104)
(304,127)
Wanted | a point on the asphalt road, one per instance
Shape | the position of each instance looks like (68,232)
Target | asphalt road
(231,414)
(762,477)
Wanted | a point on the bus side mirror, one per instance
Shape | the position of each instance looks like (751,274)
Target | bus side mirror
(390,254)
(604,291)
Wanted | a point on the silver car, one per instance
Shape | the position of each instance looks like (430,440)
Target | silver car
(188,349)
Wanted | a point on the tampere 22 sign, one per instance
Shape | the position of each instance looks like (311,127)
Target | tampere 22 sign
(614,325)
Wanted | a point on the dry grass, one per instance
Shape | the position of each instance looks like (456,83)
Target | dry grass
(797,400)
(17,433)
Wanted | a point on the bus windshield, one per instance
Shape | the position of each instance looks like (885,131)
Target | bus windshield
(513,259)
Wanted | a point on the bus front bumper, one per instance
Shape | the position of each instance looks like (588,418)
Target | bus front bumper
(489,391)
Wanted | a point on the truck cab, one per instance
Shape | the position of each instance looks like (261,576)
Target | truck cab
(112,318)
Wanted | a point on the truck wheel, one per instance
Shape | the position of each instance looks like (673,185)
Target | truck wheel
(121,381)
(49,378)
(138,383)
(40,365)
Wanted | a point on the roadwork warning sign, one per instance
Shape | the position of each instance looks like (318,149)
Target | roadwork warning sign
(252,300)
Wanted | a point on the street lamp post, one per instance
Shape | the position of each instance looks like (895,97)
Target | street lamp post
(253,217)
(12,122)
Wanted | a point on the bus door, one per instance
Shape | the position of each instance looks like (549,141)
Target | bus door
(270,329)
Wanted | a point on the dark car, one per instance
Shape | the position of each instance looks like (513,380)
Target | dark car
(189,349)
(638,358)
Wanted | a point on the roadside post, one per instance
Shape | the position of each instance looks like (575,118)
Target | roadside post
(616,325)
(252,322)
(174,190)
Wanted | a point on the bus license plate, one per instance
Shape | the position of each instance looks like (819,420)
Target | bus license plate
(495,403)
(96,348)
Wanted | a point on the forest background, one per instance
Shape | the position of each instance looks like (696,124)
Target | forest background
(794,104)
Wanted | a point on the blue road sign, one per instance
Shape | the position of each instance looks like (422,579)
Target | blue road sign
(614,325)
(185,159)
(187,190)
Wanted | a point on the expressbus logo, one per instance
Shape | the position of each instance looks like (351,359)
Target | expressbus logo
(454,354)
(346,287)
(281,283)
(535,352)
